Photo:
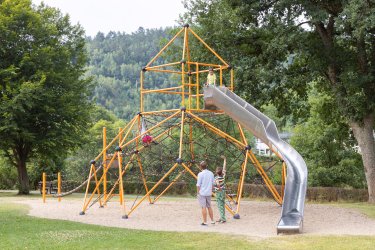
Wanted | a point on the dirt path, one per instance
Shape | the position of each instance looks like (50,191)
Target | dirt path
(258,219)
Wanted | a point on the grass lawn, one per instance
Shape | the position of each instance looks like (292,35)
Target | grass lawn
(19,231)
(363,207)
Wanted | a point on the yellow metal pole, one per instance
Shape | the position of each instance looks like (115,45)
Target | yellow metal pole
(120,136)
(188,66)
(189,170)
(265,177)
(97,184)
(44,187)
(208,47)
(243,138)
(239,183)
(239,195)
(183,84)
(59,185)
(141,91)
(165,71)
(232,79)
(181,133)
(143,177)
(85,204)
(191,142)
(87,190)
(218,131)
(209,65)
(104,162)
(170,185)
(160,90)
(118,180)
(221,76)
(189,103)
(121,185)
(283,180)
(121,141)
(113,140)
(119,159)
(161,65)
(197,75)
(159,111)
(167,92)
(242,134)
(161,51)
(153,188)
(184,46)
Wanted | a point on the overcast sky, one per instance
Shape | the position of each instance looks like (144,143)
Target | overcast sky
(119,15)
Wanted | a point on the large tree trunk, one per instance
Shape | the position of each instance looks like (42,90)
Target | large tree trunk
(23,178)
(20,154)
(363,132)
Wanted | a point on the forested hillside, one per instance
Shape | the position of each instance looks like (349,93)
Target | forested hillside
(115,61)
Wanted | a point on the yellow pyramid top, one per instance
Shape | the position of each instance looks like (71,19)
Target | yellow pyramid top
(193,73)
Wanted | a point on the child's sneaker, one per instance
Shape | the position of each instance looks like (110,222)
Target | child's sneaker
(204,224)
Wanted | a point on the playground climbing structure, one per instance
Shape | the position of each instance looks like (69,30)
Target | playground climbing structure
(197,130)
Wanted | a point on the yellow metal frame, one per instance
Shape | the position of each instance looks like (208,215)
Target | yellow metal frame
(189,88)
(184,168)
(44,185)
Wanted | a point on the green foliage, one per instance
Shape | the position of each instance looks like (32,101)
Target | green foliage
(76,165)
(8,175)
(44,100)
(279,47)
(116,60)
(328,147)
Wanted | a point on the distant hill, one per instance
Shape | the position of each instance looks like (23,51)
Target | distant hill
(115,61)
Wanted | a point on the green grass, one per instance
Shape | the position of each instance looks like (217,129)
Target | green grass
(19,231)
(365,208)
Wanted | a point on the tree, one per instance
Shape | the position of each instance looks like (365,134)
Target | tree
(44,104)
(328,146)
(286,44)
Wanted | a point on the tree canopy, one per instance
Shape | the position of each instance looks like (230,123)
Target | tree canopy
(44,100)
(280,47)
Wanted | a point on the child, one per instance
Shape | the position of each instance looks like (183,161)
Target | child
(147,140)
(220,189)
(211,77)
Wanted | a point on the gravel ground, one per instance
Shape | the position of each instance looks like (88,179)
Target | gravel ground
(258,218)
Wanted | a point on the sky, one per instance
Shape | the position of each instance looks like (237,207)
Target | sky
(119,15)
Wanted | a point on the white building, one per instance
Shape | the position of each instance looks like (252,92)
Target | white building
(264,150)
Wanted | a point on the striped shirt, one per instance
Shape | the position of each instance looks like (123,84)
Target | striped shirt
(219,182)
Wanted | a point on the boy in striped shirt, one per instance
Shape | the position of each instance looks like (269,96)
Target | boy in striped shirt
(219,188)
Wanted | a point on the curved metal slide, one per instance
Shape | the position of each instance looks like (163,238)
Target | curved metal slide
(265,129)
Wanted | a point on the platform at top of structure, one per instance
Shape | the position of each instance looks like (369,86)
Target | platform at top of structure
(192,74)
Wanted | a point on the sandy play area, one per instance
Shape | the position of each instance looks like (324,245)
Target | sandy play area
(258,219)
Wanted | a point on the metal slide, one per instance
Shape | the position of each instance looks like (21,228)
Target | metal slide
(265,129)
